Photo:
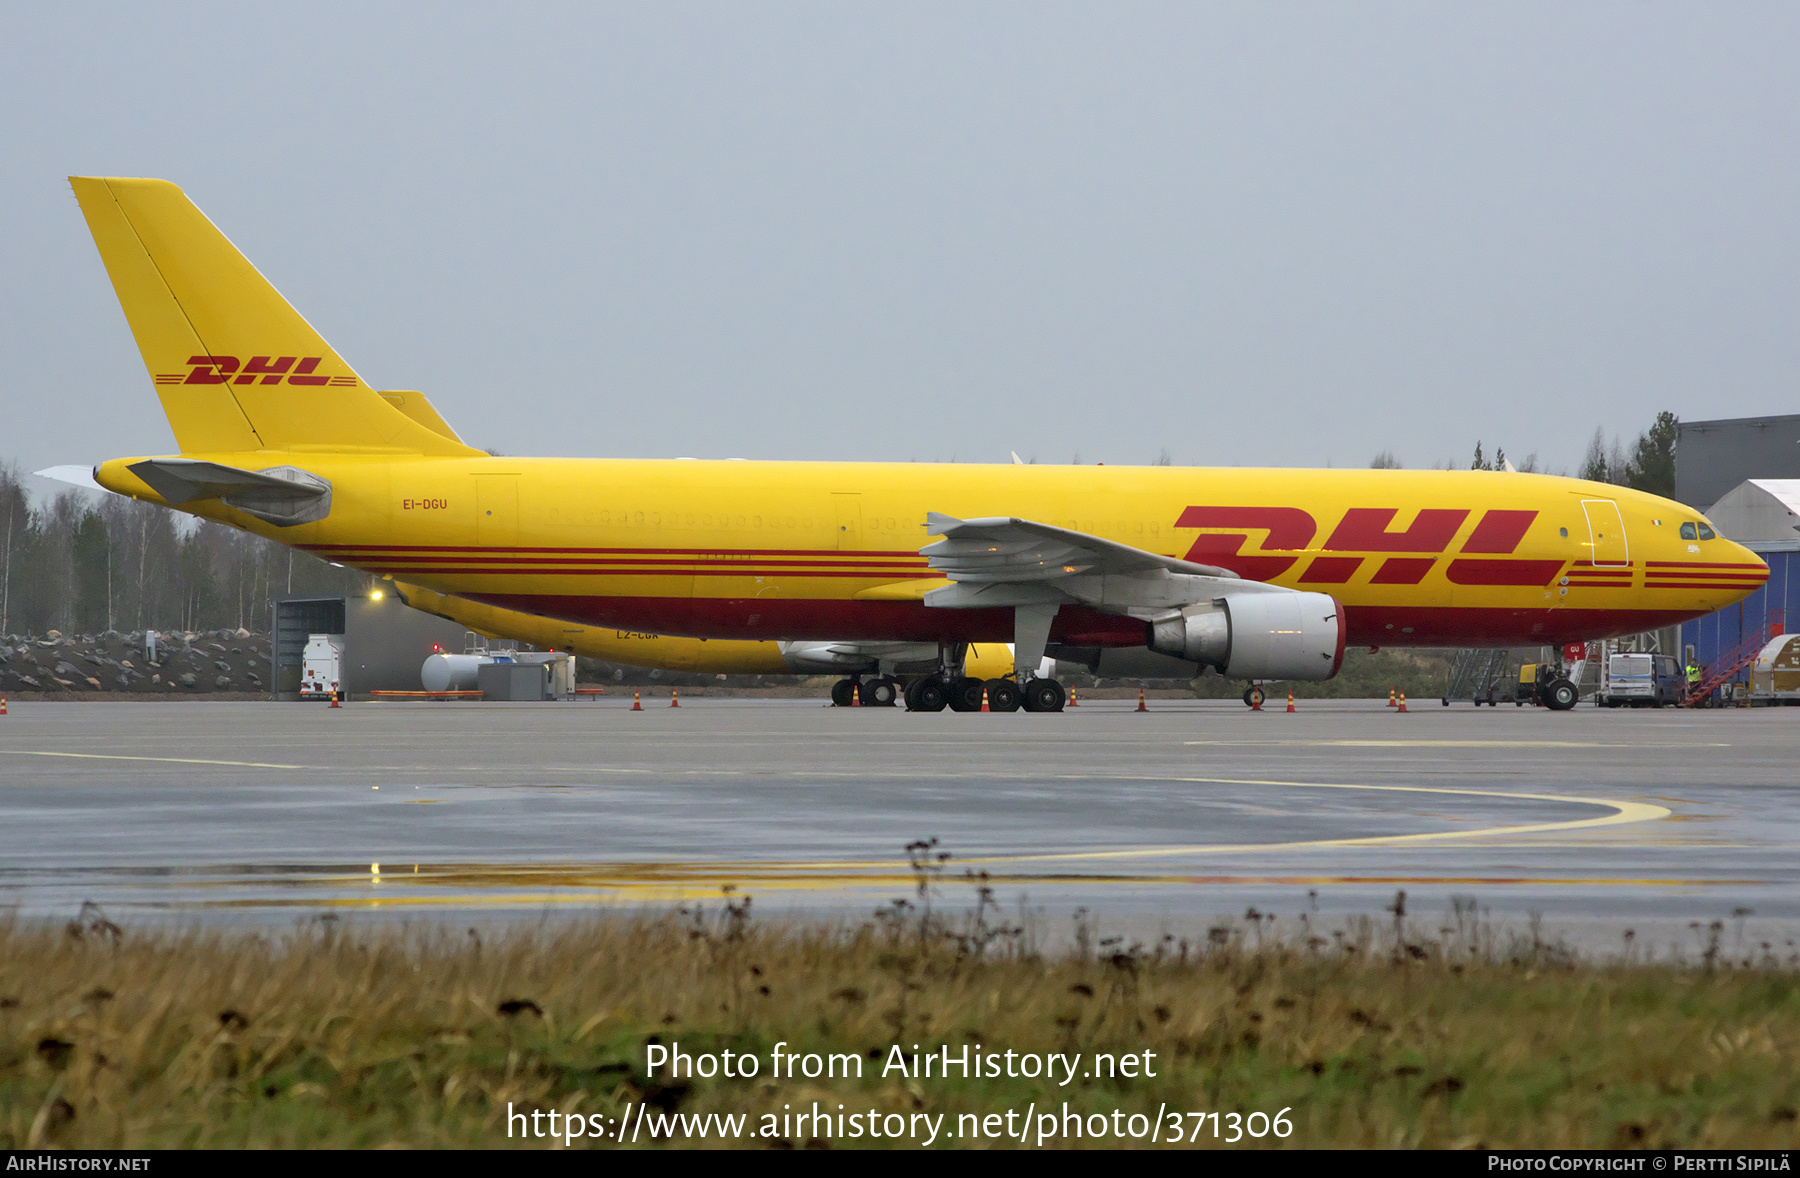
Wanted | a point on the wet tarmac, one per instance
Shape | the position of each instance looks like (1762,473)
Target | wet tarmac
(1598,820)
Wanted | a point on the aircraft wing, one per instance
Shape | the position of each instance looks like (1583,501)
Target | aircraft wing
(1007,561)
(1001,548)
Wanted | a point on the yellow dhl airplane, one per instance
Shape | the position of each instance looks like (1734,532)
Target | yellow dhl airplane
(1260,573)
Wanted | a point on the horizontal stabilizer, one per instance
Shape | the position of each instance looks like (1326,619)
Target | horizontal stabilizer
(282,495)
(75,476)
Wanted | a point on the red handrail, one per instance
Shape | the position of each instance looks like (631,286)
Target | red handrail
(1726,667)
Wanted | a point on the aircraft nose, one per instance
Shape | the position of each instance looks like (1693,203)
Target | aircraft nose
(1738,554)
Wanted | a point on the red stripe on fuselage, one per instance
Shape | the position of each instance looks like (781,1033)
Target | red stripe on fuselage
(747,571)
(616,562)
(326,549)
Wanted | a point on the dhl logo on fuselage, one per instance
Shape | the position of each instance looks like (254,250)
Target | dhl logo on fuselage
(1365,530)
(295,370)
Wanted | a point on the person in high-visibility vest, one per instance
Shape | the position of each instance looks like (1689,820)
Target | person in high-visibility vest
(1693,676)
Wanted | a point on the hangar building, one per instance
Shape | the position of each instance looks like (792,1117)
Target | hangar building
(1713,457)
(1764,516)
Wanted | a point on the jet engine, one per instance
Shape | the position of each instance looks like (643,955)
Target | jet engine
(1257,635)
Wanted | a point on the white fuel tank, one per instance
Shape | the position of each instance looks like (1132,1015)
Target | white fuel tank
(452,672)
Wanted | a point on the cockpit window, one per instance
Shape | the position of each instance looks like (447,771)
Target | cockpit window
(1687,531)
(1706,533)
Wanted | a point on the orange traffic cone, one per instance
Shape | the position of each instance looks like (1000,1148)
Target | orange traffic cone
(1402,701)
(984,701)
(1290,699)
(1072,701)
(1256,701)
(674,697)
(1391,697)
(334,695)
(637,700)
(2,703)
(856,695)
(1141,706)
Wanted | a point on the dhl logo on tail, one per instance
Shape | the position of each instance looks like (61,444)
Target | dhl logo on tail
(269,370)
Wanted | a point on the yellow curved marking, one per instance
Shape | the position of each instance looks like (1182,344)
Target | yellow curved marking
(1623,812)
(165,760)
(653,881)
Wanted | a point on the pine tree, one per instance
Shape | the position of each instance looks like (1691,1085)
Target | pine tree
(90,556)
(1653,458)
(1593,465)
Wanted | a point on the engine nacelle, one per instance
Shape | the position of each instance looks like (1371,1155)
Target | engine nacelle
(1258,635)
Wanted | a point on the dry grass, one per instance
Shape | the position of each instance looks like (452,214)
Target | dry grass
(346,1037)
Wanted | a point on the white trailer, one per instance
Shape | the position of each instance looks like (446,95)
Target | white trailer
(322,666)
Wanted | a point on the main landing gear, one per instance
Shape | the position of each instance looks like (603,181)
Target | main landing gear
(934,693)
(878,692)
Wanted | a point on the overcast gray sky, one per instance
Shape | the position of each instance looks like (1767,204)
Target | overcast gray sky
(1263,233)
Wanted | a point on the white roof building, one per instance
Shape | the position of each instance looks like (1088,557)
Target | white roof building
(1761,514)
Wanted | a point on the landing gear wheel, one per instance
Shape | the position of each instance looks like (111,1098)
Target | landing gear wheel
(840,693)
(1560,695)
(926,695)
(1043,695)
(879,693)
(964,695)
(1254,697)
(1003,695)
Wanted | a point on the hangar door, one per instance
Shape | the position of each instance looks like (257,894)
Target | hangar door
(1606,530)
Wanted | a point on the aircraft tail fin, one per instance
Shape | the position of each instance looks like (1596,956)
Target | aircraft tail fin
(236,366)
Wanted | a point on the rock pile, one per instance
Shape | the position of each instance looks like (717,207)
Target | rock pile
(184,662)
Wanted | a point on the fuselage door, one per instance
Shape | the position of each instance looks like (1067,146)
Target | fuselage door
(1606,533)
(496,510)
(849,520)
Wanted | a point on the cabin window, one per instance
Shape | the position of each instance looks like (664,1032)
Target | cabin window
(1707,533)
(1687,531)
(1565,532)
